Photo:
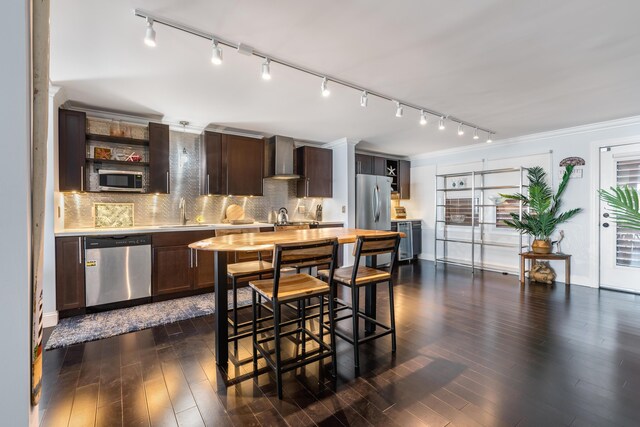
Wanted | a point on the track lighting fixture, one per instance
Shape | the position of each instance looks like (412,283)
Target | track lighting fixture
(325,87)
(150,34)
(364,99)
(216,58)
(423,118)
(266,69)
(399,109)
(216,55)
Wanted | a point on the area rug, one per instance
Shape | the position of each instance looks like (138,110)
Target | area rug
(91,327)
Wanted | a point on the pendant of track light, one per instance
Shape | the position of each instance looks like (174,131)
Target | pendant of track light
(423,118)
(441,123)
(489,140)
(216,54)
(266,69)
(324,88)
(364,98)
(150,34)
(460,129)
(475,134)
(399,109)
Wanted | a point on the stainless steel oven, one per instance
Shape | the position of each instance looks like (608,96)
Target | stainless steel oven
(114,180)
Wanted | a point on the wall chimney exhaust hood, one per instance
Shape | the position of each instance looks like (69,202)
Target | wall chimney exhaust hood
(279,158)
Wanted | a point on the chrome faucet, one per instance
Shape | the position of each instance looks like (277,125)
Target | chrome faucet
(183,208)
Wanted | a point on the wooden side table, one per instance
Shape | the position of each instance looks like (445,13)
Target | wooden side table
(532,257)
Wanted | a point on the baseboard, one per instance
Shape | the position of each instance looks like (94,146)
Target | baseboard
(50,319)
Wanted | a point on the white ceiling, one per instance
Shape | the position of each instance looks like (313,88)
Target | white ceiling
(515,67)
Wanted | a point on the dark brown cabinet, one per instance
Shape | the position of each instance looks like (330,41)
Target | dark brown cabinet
(71,150)
(404,179)
(245,165)
(315,166)
(231,164)
(159,173)
(211,164)
(370,165)
(177,269)
(69,273)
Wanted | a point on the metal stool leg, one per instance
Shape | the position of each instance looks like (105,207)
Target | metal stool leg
(393,318)
(234,287)
(332,335)
(254,331)
(276,331)
(304,325)
(355,301)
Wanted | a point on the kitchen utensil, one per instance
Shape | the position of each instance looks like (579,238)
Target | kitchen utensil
(234,212)
(319,213)
(283,216)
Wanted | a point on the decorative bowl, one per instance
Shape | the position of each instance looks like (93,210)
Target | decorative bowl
(458,219)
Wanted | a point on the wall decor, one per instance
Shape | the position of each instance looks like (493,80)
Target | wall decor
(102,153)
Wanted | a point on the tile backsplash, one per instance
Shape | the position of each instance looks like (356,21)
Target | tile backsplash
(151,209)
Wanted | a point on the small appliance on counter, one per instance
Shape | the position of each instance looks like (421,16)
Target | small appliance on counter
(319,213)
(397,211)
(283,216)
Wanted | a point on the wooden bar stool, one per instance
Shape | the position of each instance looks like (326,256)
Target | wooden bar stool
(357,277)
(292,288)
(238,272)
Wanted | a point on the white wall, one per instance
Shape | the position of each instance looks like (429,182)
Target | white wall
(582,232)
(15,193)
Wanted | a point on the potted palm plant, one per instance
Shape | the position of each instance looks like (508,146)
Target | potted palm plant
(625,206)
(542,216)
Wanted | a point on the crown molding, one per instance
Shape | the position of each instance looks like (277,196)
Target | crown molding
(340,142)
(576,130)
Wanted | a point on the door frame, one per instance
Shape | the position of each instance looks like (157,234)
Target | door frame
(596,147)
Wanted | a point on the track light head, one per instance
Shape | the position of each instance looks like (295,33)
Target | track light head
(475,134)
(460,129)
(216,54)
(489,140)
(441,123)
(423,118)
(266,69)
(364,98)
(399,109)
(324,88)
(150,34)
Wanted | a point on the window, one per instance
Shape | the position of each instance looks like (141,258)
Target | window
(458,211)
(504,211)
(628,241)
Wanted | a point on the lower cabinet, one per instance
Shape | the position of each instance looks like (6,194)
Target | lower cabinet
(177,269)
(69,273)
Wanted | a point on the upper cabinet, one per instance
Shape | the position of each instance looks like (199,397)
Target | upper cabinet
(159,176)
(370,165)
(315,166)
(231,164)
(71,150)
(404,179)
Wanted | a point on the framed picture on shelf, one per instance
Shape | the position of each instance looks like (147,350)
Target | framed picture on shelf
(102,153)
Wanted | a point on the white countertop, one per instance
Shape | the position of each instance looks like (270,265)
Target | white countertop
(71,232)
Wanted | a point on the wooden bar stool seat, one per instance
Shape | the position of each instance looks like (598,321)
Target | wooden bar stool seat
(284,289)
(249,268)
(364,275)
(291,287)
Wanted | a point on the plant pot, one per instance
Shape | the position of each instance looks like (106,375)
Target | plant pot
(541,246)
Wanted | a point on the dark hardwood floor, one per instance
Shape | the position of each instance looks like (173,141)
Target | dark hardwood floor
(471,351)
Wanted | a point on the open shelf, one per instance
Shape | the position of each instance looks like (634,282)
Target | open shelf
(484,242)
(476,265)
(117,139)
(491,187)
(117,162)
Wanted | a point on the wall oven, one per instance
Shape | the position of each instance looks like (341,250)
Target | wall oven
(113,180)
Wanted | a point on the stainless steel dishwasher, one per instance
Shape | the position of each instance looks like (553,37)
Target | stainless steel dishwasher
(117,268)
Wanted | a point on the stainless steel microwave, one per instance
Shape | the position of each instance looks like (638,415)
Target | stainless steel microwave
(112,180)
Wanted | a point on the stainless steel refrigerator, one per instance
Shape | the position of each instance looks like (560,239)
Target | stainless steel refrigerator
(373,202)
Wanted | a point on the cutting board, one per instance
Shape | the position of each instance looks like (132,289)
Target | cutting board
(234,213)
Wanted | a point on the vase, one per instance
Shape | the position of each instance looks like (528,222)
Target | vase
(541,246)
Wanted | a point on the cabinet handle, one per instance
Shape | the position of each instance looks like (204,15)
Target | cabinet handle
(167,182)
(196,253)
(307,190)
(81,178)
(190,258)
(359,168)
(208,187)
(79,250)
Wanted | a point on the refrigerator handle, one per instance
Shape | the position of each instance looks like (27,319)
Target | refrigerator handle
(377,208)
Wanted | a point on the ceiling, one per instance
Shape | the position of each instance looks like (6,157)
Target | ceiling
(515,67)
